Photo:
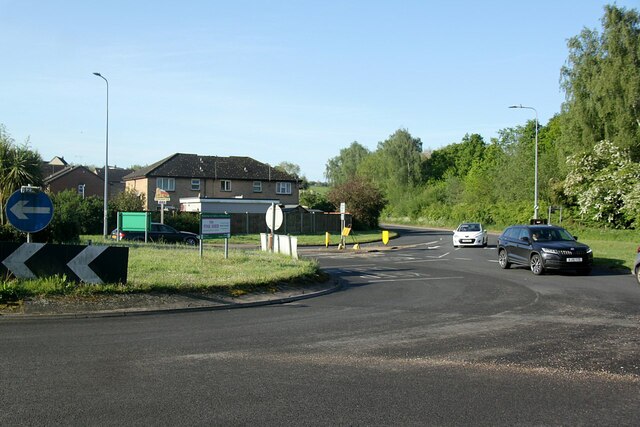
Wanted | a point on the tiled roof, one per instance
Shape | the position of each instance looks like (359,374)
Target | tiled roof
(63,172)
(115,174)
(181,165)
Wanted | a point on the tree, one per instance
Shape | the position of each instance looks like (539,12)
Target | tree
(344,167)
(455,159)
(401,160)
(315,200)
(293,170)
(601,80)
(364,201)
(602,182)
(19,166)
(127,201)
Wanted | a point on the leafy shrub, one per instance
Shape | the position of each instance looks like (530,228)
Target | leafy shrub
(364,201)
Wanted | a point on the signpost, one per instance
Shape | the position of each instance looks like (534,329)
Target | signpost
(273,218)
(29,210)
(343,211)
(162,197)
(213,226)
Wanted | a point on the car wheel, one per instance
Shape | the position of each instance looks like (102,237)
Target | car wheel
(191,241)
(638,274)
(503,259)
(536,264)
(138,239)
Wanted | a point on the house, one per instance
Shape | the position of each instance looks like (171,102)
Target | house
(188,176)
(77,178)
(116,178)
(52,166)
(85,181)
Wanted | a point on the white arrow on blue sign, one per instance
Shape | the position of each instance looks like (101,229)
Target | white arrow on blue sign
(29,212)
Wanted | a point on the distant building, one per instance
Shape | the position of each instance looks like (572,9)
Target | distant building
(85,181)
(52,166)
(192,176)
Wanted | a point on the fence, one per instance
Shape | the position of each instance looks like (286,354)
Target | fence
(294,222)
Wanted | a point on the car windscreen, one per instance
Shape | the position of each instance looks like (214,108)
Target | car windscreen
(552,235)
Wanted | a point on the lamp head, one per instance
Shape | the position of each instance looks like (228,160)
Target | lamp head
(97,74)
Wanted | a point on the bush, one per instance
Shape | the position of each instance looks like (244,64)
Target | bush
(8,233)
(364,201)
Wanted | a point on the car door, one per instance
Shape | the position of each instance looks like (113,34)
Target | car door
(508,241)
(168,234)
(522,247)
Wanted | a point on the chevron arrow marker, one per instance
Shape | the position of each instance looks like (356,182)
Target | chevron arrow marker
(15,262)
(80,264)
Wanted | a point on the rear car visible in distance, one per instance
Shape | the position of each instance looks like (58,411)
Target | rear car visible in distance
(160,233)
(543,247)
(470,234)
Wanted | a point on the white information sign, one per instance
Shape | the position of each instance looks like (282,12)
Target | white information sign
(216,226)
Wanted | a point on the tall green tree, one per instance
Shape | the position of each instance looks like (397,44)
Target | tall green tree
(401,161)
(601,80)
(455,159)
(19,165)
(344,167)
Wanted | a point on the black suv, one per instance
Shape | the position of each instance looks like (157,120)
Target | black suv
(543,247)
(158,233)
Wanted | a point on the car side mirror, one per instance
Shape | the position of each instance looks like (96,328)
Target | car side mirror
(525,239)
(575,238)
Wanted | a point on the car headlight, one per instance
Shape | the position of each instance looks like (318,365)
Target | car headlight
(550,251)
(589,251)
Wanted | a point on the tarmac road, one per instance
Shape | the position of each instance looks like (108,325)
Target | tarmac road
(422,334)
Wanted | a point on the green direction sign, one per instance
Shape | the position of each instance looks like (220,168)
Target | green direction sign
(214,226)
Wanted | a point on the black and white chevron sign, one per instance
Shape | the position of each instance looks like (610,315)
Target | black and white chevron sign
(80,263)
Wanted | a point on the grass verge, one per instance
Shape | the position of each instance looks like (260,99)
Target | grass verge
(180,269)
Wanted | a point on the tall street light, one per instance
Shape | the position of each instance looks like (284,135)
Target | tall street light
(106,163)
(535,179)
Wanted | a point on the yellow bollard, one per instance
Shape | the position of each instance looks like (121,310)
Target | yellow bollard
(326,239)
(385,236)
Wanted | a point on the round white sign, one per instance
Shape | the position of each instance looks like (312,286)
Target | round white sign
(269,217)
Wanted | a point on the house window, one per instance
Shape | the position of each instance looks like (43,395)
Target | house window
(195,184)
(257,186)
(225,185)
(166,184)
(81,190)
(283,188)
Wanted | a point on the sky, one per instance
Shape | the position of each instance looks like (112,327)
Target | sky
(278,81)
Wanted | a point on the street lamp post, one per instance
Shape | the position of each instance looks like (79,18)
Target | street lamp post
(535,176)
(106,164)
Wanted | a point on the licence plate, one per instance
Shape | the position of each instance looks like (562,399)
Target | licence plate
(466,240)
(574,259)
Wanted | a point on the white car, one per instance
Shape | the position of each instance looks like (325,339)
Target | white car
(470,234)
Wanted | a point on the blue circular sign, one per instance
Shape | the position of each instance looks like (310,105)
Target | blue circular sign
(29,211)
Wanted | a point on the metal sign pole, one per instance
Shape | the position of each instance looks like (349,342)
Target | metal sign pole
(273,224)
